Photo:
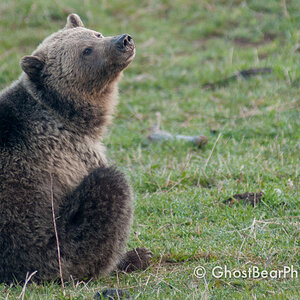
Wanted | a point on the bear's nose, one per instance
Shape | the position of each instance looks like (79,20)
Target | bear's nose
(125,41)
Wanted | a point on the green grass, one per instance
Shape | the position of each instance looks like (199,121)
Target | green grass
(179,189)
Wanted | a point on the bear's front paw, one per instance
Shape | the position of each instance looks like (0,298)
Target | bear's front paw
(137,259)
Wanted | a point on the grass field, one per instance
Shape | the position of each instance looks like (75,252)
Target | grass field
(252,125)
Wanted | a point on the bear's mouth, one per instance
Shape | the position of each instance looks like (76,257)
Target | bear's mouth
(131,55)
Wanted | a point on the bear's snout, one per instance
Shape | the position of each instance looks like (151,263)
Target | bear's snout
(125,42)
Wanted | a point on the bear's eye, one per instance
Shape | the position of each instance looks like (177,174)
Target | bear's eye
(99,35)
(87,51)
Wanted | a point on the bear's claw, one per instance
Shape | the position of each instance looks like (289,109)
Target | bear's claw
(137,259)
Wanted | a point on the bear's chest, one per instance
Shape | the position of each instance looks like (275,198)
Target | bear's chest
(69,158)
(75,160)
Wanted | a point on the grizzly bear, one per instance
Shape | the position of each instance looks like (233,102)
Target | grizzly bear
(51,124)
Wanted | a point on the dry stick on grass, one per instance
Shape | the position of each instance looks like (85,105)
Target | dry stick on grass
(205,294)
(209,157)
(56,236)
(22,295)
(252,230)
(285,11)
(275,223)
(211,152)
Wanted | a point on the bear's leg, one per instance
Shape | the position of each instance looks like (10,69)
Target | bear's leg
(94,224)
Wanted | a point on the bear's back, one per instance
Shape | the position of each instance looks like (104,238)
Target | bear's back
(11,127)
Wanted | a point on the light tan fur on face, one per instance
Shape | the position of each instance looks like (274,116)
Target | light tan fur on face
(82,83)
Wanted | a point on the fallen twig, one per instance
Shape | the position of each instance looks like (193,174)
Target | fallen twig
(56,236)
(285,11)
(28,277)
(211,152)
(252,229)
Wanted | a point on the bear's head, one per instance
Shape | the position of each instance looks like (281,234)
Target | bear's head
(77,62)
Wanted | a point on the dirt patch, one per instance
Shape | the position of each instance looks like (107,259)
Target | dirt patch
(238,75)
(200,43)
(247,42)
(245,198)
(263,55)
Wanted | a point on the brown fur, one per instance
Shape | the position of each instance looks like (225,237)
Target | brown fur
(51,123)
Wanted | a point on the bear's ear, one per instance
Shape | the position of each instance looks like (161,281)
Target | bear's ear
(73,21)
(32,66)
